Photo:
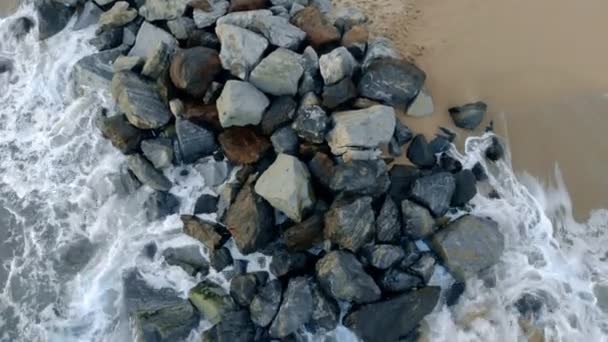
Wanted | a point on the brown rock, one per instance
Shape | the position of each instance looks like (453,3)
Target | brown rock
(305,235)
(202,114)
(243,145)
(322,168)
(200,4)
(247,5)
(211,235)
(319,30)
(193,70)
(121,133)
(355,40)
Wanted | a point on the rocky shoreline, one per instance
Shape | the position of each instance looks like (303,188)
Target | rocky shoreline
(305,103)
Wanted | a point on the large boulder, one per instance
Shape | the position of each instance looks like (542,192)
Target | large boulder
(194,69)
(119,15)
(265,303)
(207,15)
(392,82)
(154,10)
(94,72)
(341,275)
(319,30)
(212,301)
(361,129)
(469,245)
(210,234)
(337,65)
(279,73)
(418,223)
(434,192)
(52,17)
(311,124)
(295,196)
(124,136)
(147,174)
(370,322)
(235,326)
(242,145)
(350,224)
(388,223)
(361,177)
(295,310)
(148,38)
(241,104)
(195,141)
(241,49)
(468,116)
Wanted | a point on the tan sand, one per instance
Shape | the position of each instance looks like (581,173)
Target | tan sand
(8,6)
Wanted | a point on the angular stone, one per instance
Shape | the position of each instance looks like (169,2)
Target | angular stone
(280,113)
(107,40)
(295,310)
(311,124)
(319,30)
(205,204)
(194,69)
(127,63)
(187,257)
(211,301)
(288,3)
(154,10)
(465,188)
(469,245)
(242,145)
(284,263)
(243,287)
(380,48)
(195,141)
(342,276)
(245,19)
(402,179)
(182,27)
(350,224)
(325,311)
(422,105)
(241,104)
(52,18)
(420,152)
(121,133)
(241,49)
(285,140)
(148,38)
(336,94)
(94,71)
(160,204)
(157,63)
(211,235)
(495,151)
(158,151)
(235,326)
(265,303)
(468,116)
(304,235)
(119,15)
(361,177)
(392,82)
(147,174)
(129,32)
(337,65)
(434,192)
(214,9)
(348,17)
(417,220)
(220,258)
(205,115)
(424,267)
(397,280)
(383,256)
(279,73)
(88,16)
(388,223)
(322,168)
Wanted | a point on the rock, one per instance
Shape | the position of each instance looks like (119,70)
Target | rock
(245,19)
(241,104)
(322,168)
(350,224)
(21,26)
(495,151)
(288,3)
(160,204)
(205,204)
(119,15)
(187,257)
(346,18)
(247,5)
(337,65)
(325,311)
(453,293)
(440,144)
(469,245)
(243,287)
(369,322)
(107,40)
(211,301)
(450,164)
(361,177)
(402,134)
(129,32)
(434,192)
(125,183)
(284,263)
(279,32)
(181,28)
(480,172)
(465,188)
(241,49)
(156,314)
(195,141)
(295,196)
(158,151)
(250,221)
(220,258)
(202,114)
(140,101)
(206,17)
(468,116)
(309,99)
(383,256)
(121,133)
(355,41)
(388,223)
(127,63)
(148,38)
(424,267)
(336,94)
(402,179)
(285,140)
(422,105)
(193,70)
(396,280)
(94,71)
(242,145)
(210,234)
(52,18)
(295,310)
(417,220)
(311,124)
(157,63)
(234,327)
(311,80)
(380,48)
(303,236)
(280,113)
(103,2)
(342,276)
(412,254)
(147,174)
(319,30)
(279,73)
(420,153)
(154,10)
(265,303)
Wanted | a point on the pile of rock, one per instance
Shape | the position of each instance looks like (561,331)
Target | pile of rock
(305,101)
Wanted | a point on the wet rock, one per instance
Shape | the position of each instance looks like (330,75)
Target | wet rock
(242,145)
(295,310)
(279,32)
(147,174)
(361,177)
(450,164)
(380,48)
(420,153)
(322,168)
(209,234)
(422,105)
(325,311)
(21,26)
(244,287)
(154,10)
(234,327)
(480,172)
(346,18)
(107,40)
(119,15)
(52,18)
(205,115)
(465,188)
(214,9)
(453,293)
(158,151)
(129,32)
(265,303)
(279,73)
(187,257)
(220,258)
(417,220)
(337,65)
(241,49)
(128,63)
(319,30)
(496,151)
(339,93)
(469,245)
(205,204)
(361,129)
(355,41)
(160,204)
(424,267)
(121,133)
(529,305)
(285,263)
(211,301)
(392,82)
(241,104)
(383,256)
(388,223)
(157,63)
(195,141)
(280,113)
(74,256)
(94,71)
(468,116)
(342,276)
(250,221)
(412,254)
(434,192)
(369,322)
(194,69)
(402,134)
(148,38)
(440,144)
(402,178)
(396,280)
(311,123)
(285,140)
(150,250)
(304,235)
(350,224)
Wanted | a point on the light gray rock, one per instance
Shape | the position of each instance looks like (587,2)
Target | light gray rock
(295,194)
(417,220)
(88,16)
(347,17)
(265,303)
(182,27)
(241,49)
(350,224)
(127,63)
(204,19)
(95,71)
(154,10)
(434,192)
(296,308)
(158,151)
(288,3)
(129,32)
(285,140)
(213,172)
(147,174)
(378,48)
(295,8)
(279,31)
(245,19)
(148,38)
(195,141)
(279,73)
(337,65)
(241,104)
(422,105)
(107,40)
(324,6)
(119,15)
(157,63)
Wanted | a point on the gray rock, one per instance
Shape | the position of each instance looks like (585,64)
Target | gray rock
(279,32)
(194,69)
(495,151)
(140,100)
(206,204)
(241,104)
(424,267)
(211,301)
(157,62)
(295,8)
(465,188)
(189,258)
(295,196)
(380,48)
(280,11)
(361,177)
(210,234)
(127,63)
(244,19)
(214,173)
(434,192)
(422,105)
(119,15)
(420,152)
(94,71)
(148,38)
(217,8)
(279,73)
(347,17)
(417,220)
(124,182)
(158,151)
(397,280)
(121,133)
(220,258)
(52,18)
(103,2)
(182,27)
(295,310)
(234,327)
(147,174)
(285,140)
(361,129)
(337,94)
(280,112)
(241,49)
(154,10)
(311,123)
(325,311)
(195,141)
(469,245)
(370,322)
(129,32)
(391,82)
(265,303)
(305,235)
(322,168)
(288,3)
(21,26)
(342,276)
(324,6)
(285,263)
(468,116)
(243,287)
(160,204)
(88,16)
(337,65)
(402,134)
(388,223)
(350,224)
(310,60)
(383,256)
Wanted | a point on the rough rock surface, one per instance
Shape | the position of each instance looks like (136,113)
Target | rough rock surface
(465,188)
(388,223)
(121,133)
(279,73)
(188,258)
(361,177)
(422,105)
(147,174)
(350,224)
(295,310)
(337,65)
(265,304)
(434,192)
(383,256)
(158,151)
(285,140)
(337,94)
(342,276)
(380,48)
(211,301)
(182,27)
(304,235)
(95,71)
(210,234)
(148,37)
(418,222)
(193,70)
(119,15)
(311,124)
(154,10)
(325,311)
(280,113)
(468,116)
(195,141)
(241,49)
(355,40)
(241,104)
(396,280)
(214,9)
(243,145)
(319,30)
(220,259)
(392,82)
(244,286)
(420,153)
(235,326)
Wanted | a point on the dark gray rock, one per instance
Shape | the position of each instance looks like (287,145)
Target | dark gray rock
(403,134)
(450,164)
(361,177)
(209,234)
(148,38)
(391,82)
(265,303)
(370,322)
(311,124)
(350,224)
(380,48)
(402,179)
(420,152)
(280,113)
(157,62)
(336,94)
(285,140)
(52,17)
(284,263)
(189,258)
(95,71)
(195,141)
(396,280)
(147,174)
(424,267)
(243,287)
(453,293)
(220,258)
(434,192)
(322,168)
(383,256)
(234,327)
(295,310)
(440,144)
(341,275)
(412,254)
(124,136)
(213,303)
(203,38)
(388,223)
(480,172)
(21,26)
(465,188)
(160,204)
(468,116)
(418,222)
(88,16)
(107,40)
(495,151)
(206,204)
(158,151)
(325,311)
